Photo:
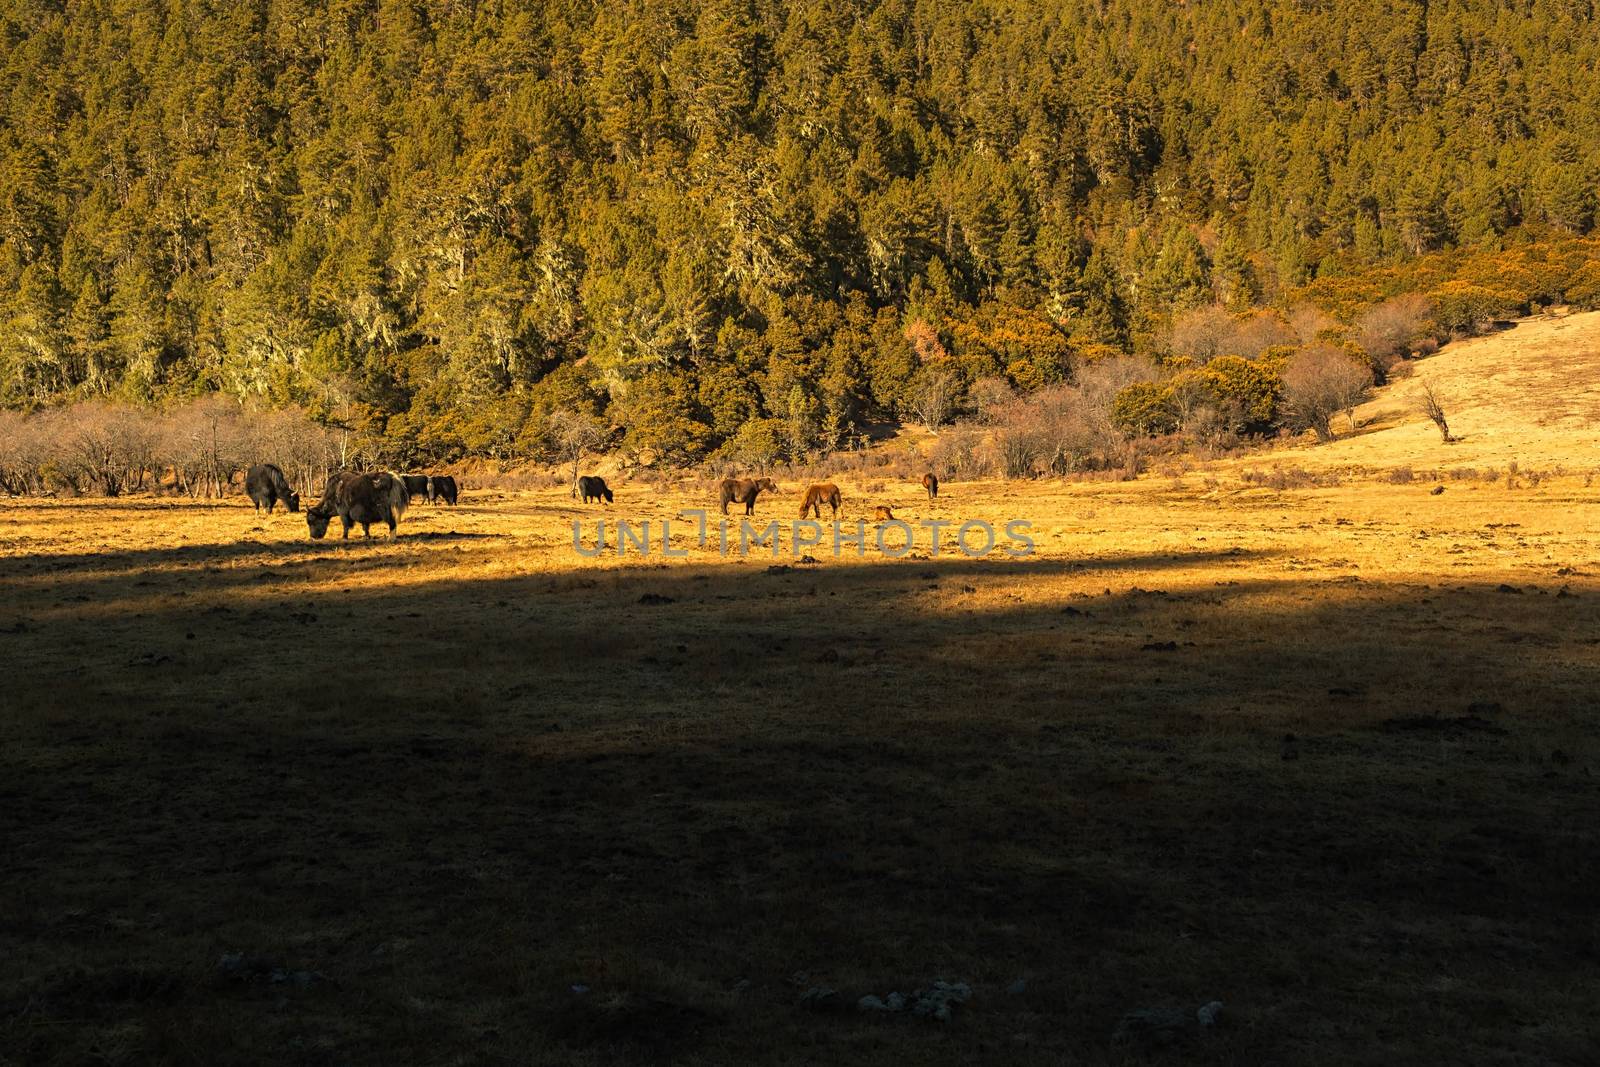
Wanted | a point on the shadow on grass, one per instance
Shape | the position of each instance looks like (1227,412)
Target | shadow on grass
(699,791)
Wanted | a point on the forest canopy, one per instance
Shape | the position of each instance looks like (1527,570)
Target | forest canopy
(752,224)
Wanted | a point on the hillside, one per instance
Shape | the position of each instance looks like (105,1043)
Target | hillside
(1528,395)
(437,222)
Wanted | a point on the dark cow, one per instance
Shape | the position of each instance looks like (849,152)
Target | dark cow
(358,499)
(930,482)
(744,491)
(416,486)
(267,486)
(442,487)
(594,489)
(818,495)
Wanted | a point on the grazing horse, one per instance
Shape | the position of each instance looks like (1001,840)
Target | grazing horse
(595,489)
(744,491)
(358,499)
(881,513)
(818,495)
(442,487)
(930,482)
(266,486)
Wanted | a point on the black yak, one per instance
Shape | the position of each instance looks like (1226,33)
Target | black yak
(358,499)
(267,486)
(594,489)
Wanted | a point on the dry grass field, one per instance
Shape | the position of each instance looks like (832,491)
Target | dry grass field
(1325,753)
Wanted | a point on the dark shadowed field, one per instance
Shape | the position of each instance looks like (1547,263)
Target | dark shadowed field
(1325,756)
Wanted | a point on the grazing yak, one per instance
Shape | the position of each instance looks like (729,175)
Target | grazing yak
(930,482)
(881,513)
(358,499)
(416,486)
(594,489)
(744,491)
(267,486)
(442,488)
(818,495)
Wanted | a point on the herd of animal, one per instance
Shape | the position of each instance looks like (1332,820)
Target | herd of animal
(746,490)
(364,498)
(359,499)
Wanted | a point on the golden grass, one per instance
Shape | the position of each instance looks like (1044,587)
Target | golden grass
(460,773)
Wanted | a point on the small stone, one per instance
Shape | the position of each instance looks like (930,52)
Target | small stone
(1208,1013)
(937,1001)
(1017,988)
(820,998)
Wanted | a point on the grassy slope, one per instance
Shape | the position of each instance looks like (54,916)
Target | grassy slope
(460,773)
(1529,395)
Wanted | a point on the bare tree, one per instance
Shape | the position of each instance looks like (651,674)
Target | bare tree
(932,396)
(26,450)
(991,395)
(1320,382)
(1202,334)
(1429,403)
(103,443)
(1018,438)
(1388,330)
(304,450)
(574,436)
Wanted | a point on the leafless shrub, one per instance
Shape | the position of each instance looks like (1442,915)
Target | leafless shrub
(205,444)
(1320,382)
(1066,429)
(202,447)
(25,453)
(302,449)
(1017,439)
(1206,333)
(106,446)
(959,454)
(1202,334)
(1402,476)
(990,395)
(1312,325)
(1261,331)
(1281,478)
(1387,331)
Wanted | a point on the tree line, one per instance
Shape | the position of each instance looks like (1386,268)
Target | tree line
(751,228)
(201,449)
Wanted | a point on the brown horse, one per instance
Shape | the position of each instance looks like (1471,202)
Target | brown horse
(881,513)
(930,482)
(818,495)
(744,491)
